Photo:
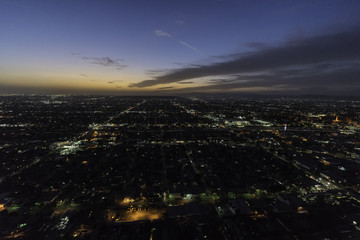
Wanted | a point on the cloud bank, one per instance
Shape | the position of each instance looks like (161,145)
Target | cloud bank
(322,62)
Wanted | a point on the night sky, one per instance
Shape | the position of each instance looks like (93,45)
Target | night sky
(168,47)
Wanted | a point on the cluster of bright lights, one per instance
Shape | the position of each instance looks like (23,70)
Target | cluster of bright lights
(69,147)
(63,223)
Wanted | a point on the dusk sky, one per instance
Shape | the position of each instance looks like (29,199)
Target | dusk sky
(174,47)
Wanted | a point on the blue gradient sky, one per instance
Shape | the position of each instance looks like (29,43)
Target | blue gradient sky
(114,46)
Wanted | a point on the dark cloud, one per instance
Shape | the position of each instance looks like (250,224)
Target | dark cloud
(164,88)
(106,61)
(145,83)
(83,75)
(155,72)
(116,81)
(320,83)
(185,82)
(218,81)
(328,59)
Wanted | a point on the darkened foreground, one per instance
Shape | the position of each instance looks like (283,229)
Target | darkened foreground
(175,168)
